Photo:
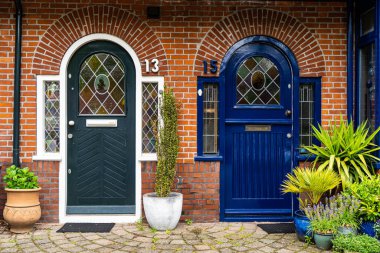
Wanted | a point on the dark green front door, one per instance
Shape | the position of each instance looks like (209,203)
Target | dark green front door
(101,130)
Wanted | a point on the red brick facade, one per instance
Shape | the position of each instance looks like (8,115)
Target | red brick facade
(187,33)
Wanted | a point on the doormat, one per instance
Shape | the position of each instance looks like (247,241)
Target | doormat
(278,228)
(86,228)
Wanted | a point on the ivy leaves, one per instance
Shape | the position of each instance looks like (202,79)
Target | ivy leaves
(20,178)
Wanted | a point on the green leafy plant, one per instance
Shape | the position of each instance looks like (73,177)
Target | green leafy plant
(167,145)
(311,182)
(347,150)
(377,229)
(139,224)
(323,218)
(356,243)
(189,221)
(368,192)
(20,178)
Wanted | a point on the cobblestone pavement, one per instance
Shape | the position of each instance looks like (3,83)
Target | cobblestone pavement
(197,237)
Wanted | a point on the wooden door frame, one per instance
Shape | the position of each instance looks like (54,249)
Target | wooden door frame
(295,110)
(63,217)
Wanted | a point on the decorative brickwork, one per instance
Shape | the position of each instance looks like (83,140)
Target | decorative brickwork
(96,19)
(266,22)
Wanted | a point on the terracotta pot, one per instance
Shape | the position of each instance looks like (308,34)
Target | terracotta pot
(22,209)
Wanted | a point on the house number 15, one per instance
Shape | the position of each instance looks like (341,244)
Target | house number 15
(155,67)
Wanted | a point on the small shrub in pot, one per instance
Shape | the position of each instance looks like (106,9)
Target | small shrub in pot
(22,209)
(163,208)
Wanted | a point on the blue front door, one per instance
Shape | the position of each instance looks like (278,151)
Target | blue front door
(258,133)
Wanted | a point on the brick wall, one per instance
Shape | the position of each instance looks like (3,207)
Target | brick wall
(187,33)
(200,188)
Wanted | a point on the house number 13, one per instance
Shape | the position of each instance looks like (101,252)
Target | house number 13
(155,67)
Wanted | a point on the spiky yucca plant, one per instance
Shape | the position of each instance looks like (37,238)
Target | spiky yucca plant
(346,150)
(311,182)
(167,144)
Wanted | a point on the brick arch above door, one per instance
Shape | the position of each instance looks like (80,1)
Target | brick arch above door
(85,21)
(276,24)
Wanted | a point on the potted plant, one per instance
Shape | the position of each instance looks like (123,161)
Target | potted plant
(22,208)
(368,192)
(377,229)
(163,208)
(355,243)
(346,207)
(324,224)
(345,149)
(312,184)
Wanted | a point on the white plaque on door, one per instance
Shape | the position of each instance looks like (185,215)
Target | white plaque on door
(101,122)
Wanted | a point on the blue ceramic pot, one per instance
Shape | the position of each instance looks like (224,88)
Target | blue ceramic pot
(367,228)
(347,231)
(302,225)
(323,241)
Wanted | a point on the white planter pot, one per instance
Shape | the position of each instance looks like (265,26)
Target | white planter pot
(163,213)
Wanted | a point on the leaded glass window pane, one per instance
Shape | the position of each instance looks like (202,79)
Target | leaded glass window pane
(149,116)
(306,117)
(101,86)
(367,21)
(367,85)
(258,82)
(51,90)
(210,118)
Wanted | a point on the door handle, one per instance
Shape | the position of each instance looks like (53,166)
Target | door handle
(71,123)
(288,113)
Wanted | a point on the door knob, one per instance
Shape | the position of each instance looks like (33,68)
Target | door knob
(69,136)
(288,135)
(71,123)
(288,113)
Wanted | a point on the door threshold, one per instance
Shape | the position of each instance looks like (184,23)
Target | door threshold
(257,219)
(99,218)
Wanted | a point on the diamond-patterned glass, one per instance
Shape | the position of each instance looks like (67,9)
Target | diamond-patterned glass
(257,82)
(51,116)
(101,86)
(149,116)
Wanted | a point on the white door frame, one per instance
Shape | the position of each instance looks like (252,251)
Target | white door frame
(63,217)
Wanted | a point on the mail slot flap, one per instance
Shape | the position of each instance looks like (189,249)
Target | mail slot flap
(101,122)
(258,128)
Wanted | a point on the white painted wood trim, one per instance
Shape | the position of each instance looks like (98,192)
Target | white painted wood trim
(41,153)
(63,217)
(160,81)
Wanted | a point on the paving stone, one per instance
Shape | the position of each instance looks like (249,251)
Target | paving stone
(284,251)
(209,237)
(92,246)
(179,242)
(10,250)
(202,247)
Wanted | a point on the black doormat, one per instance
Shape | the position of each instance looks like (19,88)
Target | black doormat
(278,228)
(86,228)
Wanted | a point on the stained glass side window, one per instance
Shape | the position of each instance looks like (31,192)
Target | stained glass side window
(149,116)
(210,118)
(101,86)
(258,82)
(306,117)
(367,85)
(51,90)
